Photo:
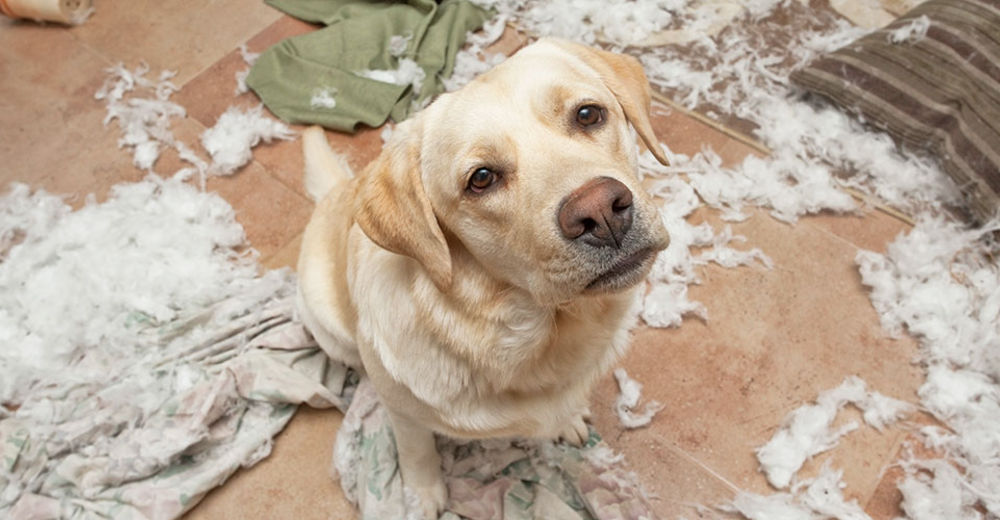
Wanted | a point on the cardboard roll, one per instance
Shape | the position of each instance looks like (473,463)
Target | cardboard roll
(69,12)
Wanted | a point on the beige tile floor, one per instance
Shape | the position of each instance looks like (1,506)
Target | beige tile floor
(773,340)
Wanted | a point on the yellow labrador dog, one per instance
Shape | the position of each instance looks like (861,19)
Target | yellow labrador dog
(482,269)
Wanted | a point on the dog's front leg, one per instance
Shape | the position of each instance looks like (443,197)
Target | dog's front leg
(420,464)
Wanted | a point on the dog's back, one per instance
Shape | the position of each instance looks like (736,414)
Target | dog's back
(321,268)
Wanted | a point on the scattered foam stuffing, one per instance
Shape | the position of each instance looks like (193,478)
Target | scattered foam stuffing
(939,282)
(399,44)
(407,73)
(817,499)
(143,352)
(809,430)
(235,133)
(77,283)
(472,59)
(241,75)
(675,268)
(323,98)
(627,402)
(144,122)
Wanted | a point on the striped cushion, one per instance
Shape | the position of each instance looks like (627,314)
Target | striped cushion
(940,91)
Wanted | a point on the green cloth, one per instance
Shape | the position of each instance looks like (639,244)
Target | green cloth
(356,38)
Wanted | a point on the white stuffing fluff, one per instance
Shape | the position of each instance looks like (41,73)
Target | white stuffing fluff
(912,31)
(941,283)
(630,391)
(241,75)
(472,59)
(399,44)
(825,496)
(675,268)
(817,499)
(590,21)
(937,282)
(779,506)
(144,122)
(323,98)
(809,429)
(386,132)
(76,284)
(407,73)
(935,490)
(235,133)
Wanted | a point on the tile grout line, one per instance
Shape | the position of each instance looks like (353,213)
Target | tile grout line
(889,462)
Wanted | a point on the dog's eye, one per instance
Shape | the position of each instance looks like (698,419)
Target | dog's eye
(589,115)
(482,179)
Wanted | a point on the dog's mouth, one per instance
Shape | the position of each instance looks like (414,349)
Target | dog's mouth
(625,273)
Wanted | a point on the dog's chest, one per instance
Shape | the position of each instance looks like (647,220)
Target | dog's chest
(541,351)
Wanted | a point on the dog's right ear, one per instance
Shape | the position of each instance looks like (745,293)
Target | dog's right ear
(624,77)
(393,210)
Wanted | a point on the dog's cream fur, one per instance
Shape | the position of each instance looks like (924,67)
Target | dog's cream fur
(471,313)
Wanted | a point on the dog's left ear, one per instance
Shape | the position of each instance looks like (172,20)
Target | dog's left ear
(624,77)
(392,208)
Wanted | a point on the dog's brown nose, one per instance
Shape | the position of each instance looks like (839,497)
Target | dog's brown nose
(599,213)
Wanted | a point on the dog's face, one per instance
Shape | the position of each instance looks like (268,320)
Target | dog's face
(532,169)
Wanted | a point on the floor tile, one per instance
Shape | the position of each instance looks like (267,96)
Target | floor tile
(684,134)
(509,42)
(284,159)
(270,212)
(774,339)
(885,498)
(869,229)
(679,485)
(183,35)
(213,91)
(51,130)
(283,27)
(293,482)
(285,257)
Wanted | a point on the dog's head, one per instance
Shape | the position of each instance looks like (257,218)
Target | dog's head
(532,169)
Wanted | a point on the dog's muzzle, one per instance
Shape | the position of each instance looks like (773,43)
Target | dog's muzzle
(598,214)
(599,219)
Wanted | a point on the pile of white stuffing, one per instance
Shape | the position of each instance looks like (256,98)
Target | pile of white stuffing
(145,358)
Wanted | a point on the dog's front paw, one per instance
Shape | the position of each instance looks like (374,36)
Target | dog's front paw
(432,499)
(575,432)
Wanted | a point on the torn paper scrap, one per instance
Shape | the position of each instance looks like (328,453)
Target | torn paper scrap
(69,12)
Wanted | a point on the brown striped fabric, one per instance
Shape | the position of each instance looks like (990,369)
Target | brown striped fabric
(939,91)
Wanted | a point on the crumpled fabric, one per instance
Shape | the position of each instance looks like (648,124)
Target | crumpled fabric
(509,479)
(357,37)
(238,369)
